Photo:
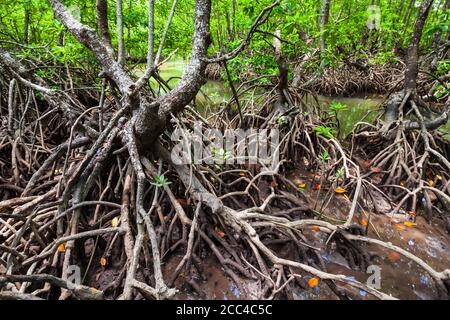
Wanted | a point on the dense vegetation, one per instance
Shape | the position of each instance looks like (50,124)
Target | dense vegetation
(93,205)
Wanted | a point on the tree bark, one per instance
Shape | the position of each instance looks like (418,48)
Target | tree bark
(120,41)
(412,61)
(153,117)
(102,21)
(325,15)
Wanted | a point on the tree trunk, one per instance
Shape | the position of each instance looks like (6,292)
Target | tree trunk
(325,15)
(26,22)
(412,60)
(120,41)
(102,21)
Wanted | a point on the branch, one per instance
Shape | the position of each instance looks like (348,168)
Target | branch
(102,20)
(89,38)
(262,17)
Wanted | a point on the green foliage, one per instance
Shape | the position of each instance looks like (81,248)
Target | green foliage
(337,106)
(298,21)
(160,181)
(220,154)
(325,131)
(324,156)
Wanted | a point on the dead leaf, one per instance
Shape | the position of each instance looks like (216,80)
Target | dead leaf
(219,232)
(182,202)
(399,226)
(115,222)
(302,186)
(62,247)
(364,222)
(340,190)
(103,262)
(394,256)
(409,224)
(313,282)
(316,186)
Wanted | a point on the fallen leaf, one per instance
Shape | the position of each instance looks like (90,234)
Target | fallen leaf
(412,213)
(115,222)
(219,232)
(399,226)
(242,174)
(62,247)
(316,186)
(402,183)
(376,169)
(364,222)
(302,186)
(439,177)
(409,224)
(340,190)
(274,184)
(431,182)
(315,228)
(103,262)
(182,202)
(313,282)
(394,256)
(346,197)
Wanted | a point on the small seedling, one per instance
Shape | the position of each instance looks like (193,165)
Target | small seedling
(160,181)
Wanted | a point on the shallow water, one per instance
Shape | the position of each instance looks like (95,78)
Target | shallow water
(216,93)
(400,277)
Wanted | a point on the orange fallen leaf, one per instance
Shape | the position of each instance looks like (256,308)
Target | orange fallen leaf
(313,282)
(242,174)
(394,256)
(364,222)
(62,247)
(219,232)
(182,202)
(412,213)
(340,190)
(376,169)
(316,186)
(399,226)
(103,262)
(274,184)
(409,224)
(402,183)
(315,228)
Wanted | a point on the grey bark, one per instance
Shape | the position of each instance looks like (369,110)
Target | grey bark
(120,40)
(325,15)
(102,21)
(412,61)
